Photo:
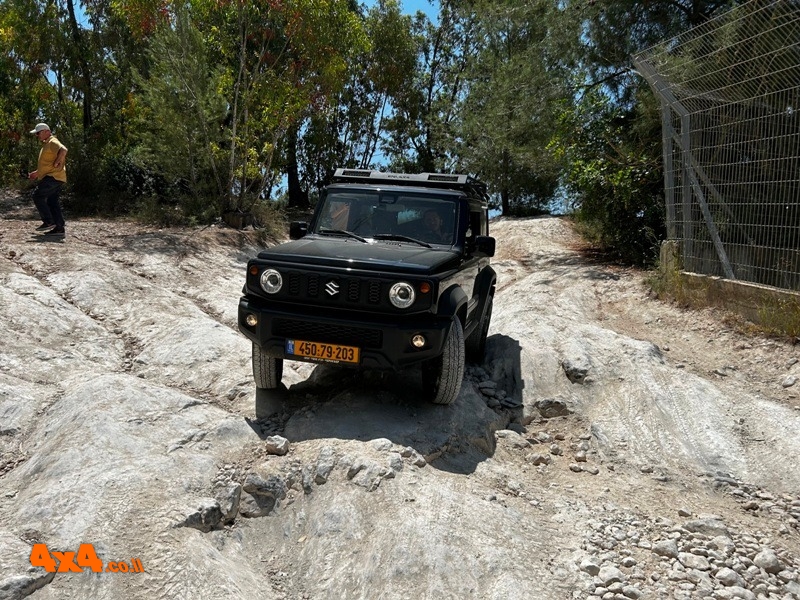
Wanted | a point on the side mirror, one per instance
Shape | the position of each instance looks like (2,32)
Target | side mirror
(485,245)
(298,229)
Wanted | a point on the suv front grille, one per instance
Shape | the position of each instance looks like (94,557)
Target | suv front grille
(340,290)
(294,283)
(333,290)
(374,292)
(353,290)
(313,286)
(332,334)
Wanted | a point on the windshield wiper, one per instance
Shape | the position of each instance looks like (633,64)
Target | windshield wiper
(400,238)
(343,232)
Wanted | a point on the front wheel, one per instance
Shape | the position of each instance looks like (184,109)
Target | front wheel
(441,376)
(267,370)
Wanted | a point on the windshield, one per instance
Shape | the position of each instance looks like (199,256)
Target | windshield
(388,215)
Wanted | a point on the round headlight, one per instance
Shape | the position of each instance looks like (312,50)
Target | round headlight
(402,295)
(271,281)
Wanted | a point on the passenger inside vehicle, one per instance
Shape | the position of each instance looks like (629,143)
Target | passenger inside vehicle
(433,228)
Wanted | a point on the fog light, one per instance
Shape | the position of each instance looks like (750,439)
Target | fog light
(418,341)
(251,320)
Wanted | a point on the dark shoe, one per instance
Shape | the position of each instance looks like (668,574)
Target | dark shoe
(56,232)
(44,226)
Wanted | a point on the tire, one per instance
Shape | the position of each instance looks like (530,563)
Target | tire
(442,376)
(475,346)
(267,371)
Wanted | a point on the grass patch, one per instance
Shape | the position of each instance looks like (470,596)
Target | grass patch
(748,308)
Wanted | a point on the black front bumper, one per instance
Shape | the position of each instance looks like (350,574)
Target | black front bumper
(385,342)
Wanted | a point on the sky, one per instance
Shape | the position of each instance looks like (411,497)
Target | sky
(410,7)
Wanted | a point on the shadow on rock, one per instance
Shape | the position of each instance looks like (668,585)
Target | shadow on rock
(503,358)
(367,405)
(43,239)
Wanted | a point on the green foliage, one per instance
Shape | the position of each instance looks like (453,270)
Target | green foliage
(609,131)
(181,110)
(347,132)
(614,173)
(260,69)
(178,115)
(516,76)
(422,130)
(270,218)
(25,95)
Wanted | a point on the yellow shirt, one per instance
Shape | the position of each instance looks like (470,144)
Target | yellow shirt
(47,156)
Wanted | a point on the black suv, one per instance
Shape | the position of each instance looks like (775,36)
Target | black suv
(392,271)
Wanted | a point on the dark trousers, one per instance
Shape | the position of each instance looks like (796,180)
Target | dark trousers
(46,199)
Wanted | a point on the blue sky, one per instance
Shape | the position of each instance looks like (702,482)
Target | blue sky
(410,7)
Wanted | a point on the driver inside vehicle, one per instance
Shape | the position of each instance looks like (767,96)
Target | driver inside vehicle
(433,231)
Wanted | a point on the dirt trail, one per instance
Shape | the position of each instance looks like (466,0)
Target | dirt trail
(603,428)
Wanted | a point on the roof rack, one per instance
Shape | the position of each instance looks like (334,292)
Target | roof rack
(437,180)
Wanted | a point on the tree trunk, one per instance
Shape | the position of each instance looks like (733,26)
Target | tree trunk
(504,195)
(83,63)
(298,197)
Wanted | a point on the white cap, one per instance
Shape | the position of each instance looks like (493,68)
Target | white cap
(41,127)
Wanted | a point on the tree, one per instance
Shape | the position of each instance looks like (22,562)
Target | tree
(610,133)
(422,130)
(614,174)
(516,79)
(322,39)
(70,65)
(26,69)
(242,87)
(348,131)
(180,113)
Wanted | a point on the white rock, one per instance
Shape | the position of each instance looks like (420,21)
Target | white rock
(668,548)
(729,577)
(610,575)
(277,444)
(590,566)
(767,560)
(693,561)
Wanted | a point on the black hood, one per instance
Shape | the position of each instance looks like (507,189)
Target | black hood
(352,254)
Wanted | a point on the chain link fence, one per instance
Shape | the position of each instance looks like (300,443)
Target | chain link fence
(730,97)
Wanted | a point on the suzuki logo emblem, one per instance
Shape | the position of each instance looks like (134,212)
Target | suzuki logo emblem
(332,288)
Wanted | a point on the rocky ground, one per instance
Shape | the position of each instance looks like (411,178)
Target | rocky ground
(611,445)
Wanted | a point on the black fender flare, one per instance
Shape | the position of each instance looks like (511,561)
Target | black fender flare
(453,302)
(484,287)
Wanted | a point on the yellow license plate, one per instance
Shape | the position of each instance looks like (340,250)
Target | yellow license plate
(333,353)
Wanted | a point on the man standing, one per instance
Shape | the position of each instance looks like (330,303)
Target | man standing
(51,172)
